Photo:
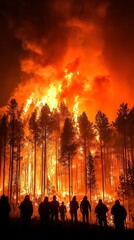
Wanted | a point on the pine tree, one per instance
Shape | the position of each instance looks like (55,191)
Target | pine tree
(68,147)
(102,127)
(86,137)
(15,135)
(91,180)
(3,147)
(120,124)
(46,127)
(34,129)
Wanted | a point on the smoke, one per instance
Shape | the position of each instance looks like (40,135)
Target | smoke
(94,37)
(53,29)
(118,53)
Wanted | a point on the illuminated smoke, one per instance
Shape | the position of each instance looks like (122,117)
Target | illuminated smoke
(73,35)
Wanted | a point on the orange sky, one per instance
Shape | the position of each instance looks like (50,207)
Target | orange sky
(91,39)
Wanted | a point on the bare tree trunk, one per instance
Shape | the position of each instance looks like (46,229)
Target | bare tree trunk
(4,164)
(45,159)
(132,151)
(19,164)
(85,175)
(69,174)
(0,166)
(42,169)
(85,163)
(56,171)
(125,147)
(102,169)
(18,175)
(34,167)
(11,172)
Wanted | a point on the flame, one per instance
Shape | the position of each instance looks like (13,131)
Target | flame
(67,86)
(74,79)
(64,62)
(76,109)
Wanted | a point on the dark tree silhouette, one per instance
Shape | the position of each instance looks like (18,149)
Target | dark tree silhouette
(56,134)
(86,136)
(121,125)
(47,124)
(15,134)
(130,132)
(102,127)
(68,147)
(34,129)
(91,179)
(3,146)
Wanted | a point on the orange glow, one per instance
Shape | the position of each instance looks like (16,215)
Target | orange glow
(77,53)
(50,86)
(81,80)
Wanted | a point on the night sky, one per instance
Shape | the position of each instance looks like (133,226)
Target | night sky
(50,24)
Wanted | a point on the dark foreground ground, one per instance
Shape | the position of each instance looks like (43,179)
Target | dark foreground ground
(63,231)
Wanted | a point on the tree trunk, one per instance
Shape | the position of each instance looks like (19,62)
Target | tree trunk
(69,171)
(34,167)
(102,169)
(42,169)
(4,164)
(56,170)
(45,159)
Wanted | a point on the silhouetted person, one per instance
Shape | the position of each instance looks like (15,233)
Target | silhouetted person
(54,207)
(119,215)
(44,212)
(101,209)
(63,211)
(73,209)
(85,208)
(5,209)
(26,211)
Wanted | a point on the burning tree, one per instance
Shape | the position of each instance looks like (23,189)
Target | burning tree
(121,126)
(102,127)
(91,180)
(68,148)
(34,130)
(86,138)
(53,144)
(3,147)
(15,134)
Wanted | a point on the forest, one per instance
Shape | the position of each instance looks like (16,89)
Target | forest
(46,152)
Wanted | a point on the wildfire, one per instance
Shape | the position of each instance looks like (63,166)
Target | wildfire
(76,109)
(52,88)
(65,49)
(76,81)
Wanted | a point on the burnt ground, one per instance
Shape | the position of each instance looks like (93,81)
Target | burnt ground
(59,231)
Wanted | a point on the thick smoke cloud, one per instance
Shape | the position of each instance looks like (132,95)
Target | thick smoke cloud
(97,33)
(118,33)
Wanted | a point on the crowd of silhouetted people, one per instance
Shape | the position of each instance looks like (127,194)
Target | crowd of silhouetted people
(54,211)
